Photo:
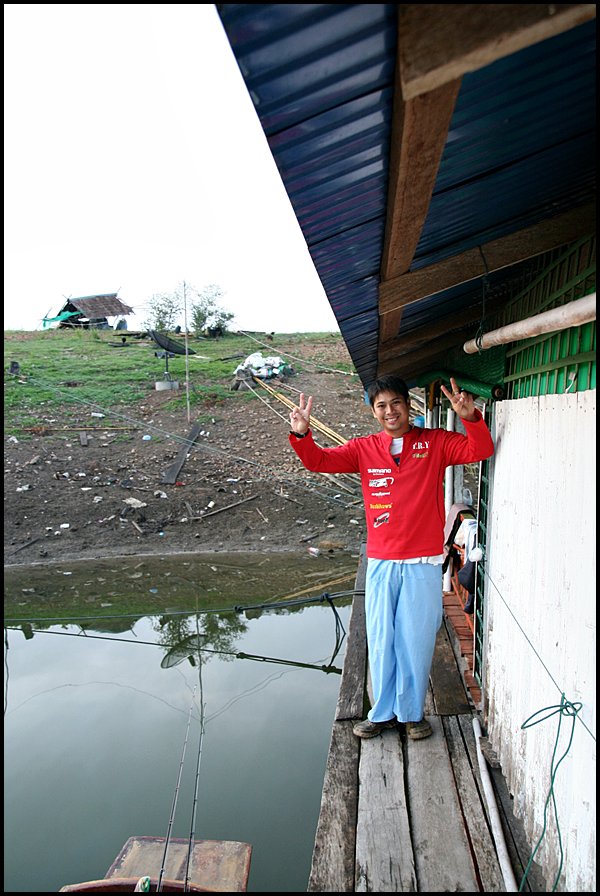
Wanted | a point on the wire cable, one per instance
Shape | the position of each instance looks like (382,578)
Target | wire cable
(282,603)
(266,473)
(302,360)
(565,708)
(524,633)
(484,290)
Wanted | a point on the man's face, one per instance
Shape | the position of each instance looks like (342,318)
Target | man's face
(391,410)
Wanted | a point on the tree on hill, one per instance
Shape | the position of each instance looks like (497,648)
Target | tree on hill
(205,314)
(163,311)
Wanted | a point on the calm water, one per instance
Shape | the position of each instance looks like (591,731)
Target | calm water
(100,702)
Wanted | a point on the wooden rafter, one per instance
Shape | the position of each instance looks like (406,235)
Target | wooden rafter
(472,36)
(500,253)
(431,62)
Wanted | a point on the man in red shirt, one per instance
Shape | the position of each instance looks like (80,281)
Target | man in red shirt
(402,472)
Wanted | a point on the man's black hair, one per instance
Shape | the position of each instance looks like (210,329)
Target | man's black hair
(390,383)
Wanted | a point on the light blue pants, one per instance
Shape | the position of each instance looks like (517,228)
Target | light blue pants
(403,609)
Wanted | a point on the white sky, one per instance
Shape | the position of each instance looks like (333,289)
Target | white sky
(134,161)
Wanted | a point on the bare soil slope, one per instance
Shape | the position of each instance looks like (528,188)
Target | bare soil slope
(240,487)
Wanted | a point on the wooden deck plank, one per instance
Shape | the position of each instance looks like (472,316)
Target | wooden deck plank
(332,865)
(442,853)
(449,692)
(460,739)
(332,868)
(350,703)
(384,856)
(391,818)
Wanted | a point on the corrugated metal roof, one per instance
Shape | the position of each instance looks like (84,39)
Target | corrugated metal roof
(519,150)
(520,146)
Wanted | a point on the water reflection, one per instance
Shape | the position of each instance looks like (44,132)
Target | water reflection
(95,718)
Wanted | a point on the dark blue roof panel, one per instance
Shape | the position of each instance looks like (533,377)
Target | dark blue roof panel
(520,148)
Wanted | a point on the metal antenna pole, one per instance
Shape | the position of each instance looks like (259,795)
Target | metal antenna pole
(187,363)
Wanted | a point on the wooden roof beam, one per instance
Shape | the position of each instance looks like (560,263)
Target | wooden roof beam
(418,135)
(419,132)
(443,324)
(441,42)
(422,335)
(500,253)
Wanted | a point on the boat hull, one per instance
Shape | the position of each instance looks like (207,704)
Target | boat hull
(215,866)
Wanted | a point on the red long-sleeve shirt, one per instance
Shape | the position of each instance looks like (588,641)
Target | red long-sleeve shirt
(404,504)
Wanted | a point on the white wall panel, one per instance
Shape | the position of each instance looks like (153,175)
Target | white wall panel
(540,599)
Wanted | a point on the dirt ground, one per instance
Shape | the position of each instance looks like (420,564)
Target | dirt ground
(69,496)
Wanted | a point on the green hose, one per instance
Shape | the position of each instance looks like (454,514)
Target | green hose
(484,390)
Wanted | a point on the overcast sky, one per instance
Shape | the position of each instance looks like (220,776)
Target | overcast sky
(134,161)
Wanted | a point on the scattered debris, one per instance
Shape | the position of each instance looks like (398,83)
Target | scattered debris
(229,506)
(170,475)
(25,545)
(262,367)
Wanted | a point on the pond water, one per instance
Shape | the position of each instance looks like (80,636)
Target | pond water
(150,695)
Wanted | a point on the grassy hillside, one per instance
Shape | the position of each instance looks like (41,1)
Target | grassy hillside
(64,373)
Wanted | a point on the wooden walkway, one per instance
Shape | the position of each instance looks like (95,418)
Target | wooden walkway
(399,815)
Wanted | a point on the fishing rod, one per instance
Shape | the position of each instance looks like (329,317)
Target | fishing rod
(175,796)
(196,781)
(268,659)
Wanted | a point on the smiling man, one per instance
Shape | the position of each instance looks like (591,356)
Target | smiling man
(402,470)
